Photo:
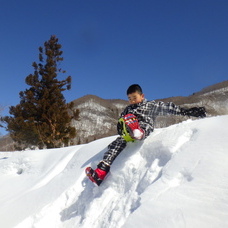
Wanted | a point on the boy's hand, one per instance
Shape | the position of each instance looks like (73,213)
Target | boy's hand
(135,130)
(196,112)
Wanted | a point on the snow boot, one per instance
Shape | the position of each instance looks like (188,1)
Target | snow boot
(98,175)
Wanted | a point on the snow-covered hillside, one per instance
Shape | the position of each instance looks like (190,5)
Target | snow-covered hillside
(177,177)
(97,118)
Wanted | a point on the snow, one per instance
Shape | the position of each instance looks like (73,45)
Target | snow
(138,134)
(177,177)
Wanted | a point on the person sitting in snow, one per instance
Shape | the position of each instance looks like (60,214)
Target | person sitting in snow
(136,123)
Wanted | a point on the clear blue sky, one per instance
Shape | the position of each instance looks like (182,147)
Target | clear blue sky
(169,47)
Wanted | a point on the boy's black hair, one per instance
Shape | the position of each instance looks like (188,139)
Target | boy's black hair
(134,88)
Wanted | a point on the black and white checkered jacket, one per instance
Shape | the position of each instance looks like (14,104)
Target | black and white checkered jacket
(147,111)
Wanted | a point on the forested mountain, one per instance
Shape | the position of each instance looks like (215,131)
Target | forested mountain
(98,117)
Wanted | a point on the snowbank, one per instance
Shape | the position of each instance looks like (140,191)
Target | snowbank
(177,177)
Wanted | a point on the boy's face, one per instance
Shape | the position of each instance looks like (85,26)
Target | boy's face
(135,98)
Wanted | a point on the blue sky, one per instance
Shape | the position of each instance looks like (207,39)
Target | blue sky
(169,47)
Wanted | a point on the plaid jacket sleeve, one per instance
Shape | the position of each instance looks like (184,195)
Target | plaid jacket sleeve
(147,111)
(152,109)
(161,109)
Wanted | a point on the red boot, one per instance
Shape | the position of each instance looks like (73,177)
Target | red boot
(98,175)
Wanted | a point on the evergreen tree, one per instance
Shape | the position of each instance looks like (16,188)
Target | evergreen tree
(1,109)
(42,119)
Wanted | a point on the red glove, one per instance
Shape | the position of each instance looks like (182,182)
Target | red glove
(133,125)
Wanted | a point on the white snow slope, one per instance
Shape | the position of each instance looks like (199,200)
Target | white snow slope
(177,177)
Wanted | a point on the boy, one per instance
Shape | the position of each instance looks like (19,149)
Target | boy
(136,123)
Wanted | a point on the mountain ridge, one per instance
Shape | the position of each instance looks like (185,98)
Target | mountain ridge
(214,98)
(98,117)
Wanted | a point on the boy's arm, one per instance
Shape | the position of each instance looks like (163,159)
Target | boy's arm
(171,108)
(196,112)
(163,109)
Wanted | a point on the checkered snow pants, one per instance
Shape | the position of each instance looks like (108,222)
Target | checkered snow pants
(114,150)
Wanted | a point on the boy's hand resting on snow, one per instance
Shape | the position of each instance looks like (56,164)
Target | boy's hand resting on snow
(196,112)
(135,130)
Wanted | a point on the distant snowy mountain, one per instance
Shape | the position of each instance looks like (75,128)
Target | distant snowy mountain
(214,98)
(176,178)
(98,117)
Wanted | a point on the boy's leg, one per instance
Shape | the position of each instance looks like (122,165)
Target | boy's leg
(103,167)
(114,149)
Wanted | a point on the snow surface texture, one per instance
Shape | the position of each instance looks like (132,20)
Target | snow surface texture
(177,177)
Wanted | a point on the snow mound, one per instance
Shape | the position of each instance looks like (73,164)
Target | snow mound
(177,177)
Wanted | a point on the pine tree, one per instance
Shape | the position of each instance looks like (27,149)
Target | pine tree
(1,109)
(42,119)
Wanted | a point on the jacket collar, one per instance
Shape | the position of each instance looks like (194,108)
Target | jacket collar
(139,104)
